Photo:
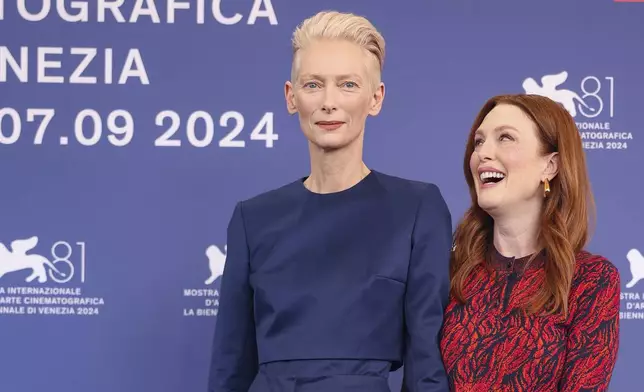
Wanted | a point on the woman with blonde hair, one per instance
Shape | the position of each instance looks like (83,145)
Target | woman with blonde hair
(530,309)
(336,279)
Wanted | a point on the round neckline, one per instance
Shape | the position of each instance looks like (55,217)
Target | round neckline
(511,263)
(355,187)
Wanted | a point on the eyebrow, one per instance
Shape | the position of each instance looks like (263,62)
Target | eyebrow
(498,129)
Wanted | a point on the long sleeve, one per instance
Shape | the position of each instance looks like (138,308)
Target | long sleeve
(234,351)
(593,340)
(427,295)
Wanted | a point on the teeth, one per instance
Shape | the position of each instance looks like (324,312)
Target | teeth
(485,175)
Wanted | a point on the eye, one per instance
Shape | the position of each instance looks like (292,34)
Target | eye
(310,84)
(350,85)
(505,136)
(478,141)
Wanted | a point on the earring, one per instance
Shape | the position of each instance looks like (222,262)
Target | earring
(546,187)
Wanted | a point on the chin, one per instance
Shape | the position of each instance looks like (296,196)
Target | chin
(488,204)
(489,208)
(331,142)
(327,145)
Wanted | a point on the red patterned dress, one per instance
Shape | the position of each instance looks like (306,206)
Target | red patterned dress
(491,345)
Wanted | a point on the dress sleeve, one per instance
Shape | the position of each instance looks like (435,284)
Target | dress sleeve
(234,361)
(593,338)
(427,295)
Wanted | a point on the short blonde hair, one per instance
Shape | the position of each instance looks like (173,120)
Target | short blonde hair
(339,25)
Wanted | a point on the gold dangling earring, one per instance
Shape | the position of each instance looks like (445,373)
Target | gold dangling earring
(546,187)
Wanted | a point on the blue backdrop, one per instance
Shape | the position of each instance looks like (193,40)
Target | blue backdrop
(129,132)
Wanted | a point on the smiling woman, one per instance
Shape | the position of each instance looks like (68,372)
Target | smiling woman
(530,309)
(509,161)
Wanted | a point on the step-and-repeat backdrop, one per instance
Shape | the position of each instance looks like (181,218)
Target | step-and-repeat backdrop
(129,130)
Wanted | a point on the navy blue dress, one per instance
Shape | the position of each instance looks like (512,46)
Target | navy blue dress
(331,292)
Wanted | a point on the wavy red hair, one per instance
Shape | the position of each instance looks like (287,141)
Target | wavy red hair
(566,214)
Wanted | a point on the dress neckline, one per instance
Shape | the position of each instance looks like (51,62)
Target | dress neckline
(352,189)
(516,264)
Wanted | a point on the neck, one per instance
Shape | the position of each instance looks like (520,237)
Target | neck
(516,235)
(336,170)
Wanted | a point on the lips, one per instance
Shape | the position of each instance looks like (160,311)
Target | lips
(490,177)
(329,125)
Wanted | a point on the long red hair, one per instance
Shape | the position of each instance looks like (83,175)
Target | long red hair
(566,214)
